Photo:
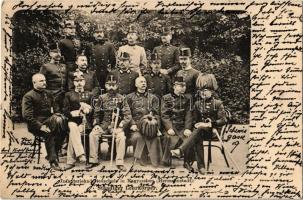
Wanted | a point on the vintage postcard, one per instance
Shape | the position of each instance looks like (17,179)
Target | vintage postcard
(151,99)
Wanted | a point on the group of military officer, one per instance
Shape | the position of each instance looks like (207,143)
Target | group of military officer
(99,91)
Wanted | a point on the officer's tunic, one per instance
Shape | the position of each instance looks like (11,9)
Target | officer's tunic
(158,84)
(125,80)
(169,55)
(104,108)
(68,51)
(141,105)
(212,109)
(176,114)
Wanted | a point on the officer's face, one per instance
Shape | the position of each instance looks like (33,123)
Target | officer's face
(124,64)
(79,84)
(156,66)
(179,89)
(165,39)
(132,38)
(205,94)
(141,84)
(82,63)
(184,61)
(99,35)
(56,55)
(39,82)
(111,87)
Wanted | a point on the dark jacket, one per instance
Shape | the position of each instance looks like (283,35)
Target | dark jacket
(37,106)
(106,105)
(67,49)
(190,76)
(56,76)
(126,80)
(169,55)
(158,84)
(176,112)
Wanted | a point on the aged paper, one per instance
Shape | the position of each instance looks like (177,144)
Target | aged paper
(266,154)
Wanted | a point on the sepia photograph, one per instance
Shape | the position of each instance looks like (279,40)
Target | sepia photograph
(114,100)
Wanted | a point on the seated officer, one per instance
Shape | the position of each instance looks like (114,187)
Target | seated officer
(209,113)
(177,120)
(124,75)
(105,107)
(157,83)
(141,103)
(38,109)
(79,112)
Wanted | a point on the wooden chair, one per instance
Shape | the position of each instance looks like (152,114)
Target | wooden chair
(214,142)
(37,147)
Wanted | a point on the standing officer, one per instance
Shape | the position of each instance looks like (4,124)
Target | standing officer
(38,111)
(124,75)
(138,61)
(142,103)
(91,82)
(105,108)
(209,113)
(188,73)
(78,110)
(177,120)
(56,76)
(102,56)
(168,53)
(68,47)
(159,84)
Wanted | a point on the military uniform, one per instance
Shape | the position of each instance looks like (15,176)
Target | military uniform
(37,107)
(169,55)
(142,104)
(100,56)
(56,77)
(190,76)
(91,82)
(72,102)
(137,54)
(203,109)
(68,51)
(158,84)
(125,80)
(104,108)
(177,115)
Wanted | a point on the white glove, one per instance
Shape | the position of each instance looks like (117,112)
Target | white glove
(171,132)
(164,71)
(97,129)
(187,132)
(134,128)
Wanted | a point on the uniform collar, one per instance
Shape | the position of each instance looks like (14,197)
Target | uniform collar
(152,74)
(122,72)
(79,91)
(39,91)
(141,94)
(175,96)
(188,68)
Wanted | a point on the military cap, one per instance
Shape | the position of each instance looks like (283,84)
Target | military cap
(124,56)
(166,31)
(78,75)
(179,80)
(111,79)
(185,52)
(99,28)
(53,47)
(132,29)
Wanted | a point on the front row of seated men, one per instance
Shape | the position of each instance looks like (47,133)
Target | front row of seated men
(174,116)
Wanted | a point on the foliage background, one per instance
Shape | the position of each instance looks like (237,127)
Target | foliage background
(220,43)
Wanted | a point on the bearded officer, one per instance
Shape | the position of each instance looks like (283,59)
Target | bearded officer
(105,107)
(168,53)
(177,120)
(38,110)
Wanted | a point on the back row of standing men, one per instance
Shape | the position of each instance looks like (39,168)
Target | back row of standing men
(121,70)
